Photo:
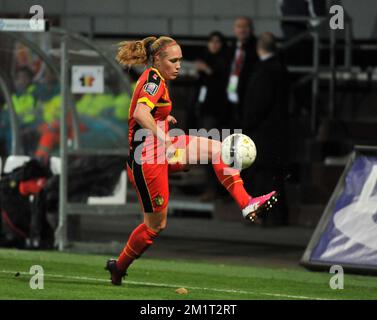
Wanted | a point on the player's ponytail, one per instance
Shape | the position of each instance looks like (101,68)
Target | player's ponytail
(135,52)
(141,52)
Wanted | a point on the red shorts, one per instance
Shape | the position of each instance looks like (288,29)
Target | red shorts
(151,180)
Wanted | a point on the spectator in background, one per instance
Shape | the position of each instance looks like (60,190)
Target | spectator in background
(48,87)
(243,59)
(213,74)
(265,120)
(25,106)
(211,102)
(24,99)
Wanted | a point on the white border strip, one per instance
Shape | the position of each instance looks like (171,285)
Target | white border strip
(23,25)
(165,285)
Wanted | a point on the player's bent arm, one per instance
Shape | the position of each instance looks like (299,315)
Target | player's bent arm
(143,117)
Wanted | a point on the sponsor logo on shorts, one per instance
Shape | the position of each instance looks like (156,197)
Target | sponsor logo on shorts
(159,200)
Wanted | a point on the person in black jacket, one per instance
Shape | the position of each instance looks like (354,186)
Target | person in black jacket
(211,102)
(265,120)
(243,59)
(212,68)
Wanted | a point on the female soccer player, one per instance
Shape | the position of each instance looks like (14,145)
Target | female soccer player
(149,163)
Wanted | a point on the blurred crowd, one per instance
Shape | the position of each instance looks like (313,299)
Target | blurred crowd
(37,105)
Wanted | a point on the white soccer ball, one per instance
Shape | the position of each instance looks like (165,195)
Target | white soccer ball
(238,151)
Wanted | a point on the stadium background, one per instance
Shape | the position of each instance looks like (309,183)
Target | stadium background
(209,231)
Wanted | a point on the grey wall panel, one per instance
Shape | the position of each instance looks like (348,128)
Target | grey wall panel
(117,25)
(234,7)
(267,8)
(267,25)
(95,7)
(364,15)
(164,7)
(23,6)
(77,24)
(205,27)
(147,26)
(182,26)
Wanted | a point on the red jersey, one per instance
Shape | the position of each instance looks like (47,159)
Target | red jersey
(147,167)
(152,90)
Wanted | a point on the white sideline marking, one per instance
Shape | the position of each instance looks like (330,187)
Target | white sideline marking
(165,285)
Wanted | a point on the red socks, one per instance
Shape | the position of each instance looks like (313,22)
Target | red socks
(230,178)
(139,241)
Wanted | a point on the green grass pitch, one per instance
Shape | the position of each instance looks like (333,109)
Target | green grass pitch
(82,276)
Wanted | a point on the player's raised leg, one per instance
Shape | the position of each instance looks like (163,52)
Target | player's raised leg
(201,149)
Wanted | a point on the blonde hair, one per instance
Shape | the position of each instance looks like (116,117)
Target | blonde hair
(141,52)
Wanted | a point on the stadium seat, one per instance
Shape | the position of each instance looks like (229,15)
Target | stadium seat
(119,196)
(120,190)
(13,162)
(55,165)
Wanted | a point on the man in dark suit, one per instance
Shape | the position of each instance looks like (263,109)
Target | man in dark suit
(243,58)
(265,120)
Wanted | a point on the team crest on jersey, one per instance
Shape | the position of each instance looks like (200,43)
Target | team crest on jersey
(151,88)
(159,200)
